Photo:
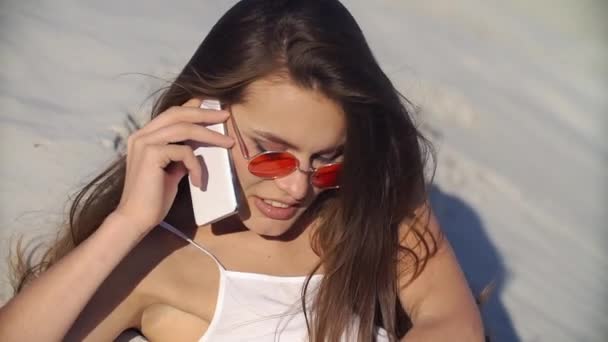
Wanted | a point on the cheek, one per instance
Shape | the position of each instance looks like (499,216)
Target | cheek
(314,196)
(245,178)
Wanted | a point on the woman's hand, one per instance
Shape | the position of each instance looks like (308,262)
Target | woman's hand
(156,164)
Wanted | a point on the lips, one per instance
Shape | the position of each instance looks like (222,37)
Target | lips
(278,211)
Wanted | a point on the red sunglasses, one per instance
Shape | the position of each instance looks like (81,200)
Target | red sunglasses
(275,164)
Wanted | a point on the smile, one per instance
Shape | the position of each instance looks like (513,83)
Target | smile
(275,210)
(276,204)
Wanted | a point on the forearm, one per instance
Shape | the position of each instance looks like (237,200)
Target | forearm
(47,308)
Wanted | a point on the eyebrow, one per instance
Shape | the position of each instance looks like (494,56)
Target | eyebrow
(276,139)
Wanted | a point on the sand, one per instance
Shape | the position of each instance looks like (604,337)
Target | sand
(512,94)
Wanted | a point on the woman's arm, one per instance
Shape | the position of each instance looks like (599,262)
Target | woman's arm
(439,301)
(47,308)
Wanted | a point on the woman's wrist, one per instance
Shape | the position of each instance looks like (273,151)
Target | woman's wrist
(119,234)
(126,226)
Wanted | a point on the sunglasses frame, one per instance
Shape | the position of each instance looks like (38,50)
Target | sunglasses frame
(245,153)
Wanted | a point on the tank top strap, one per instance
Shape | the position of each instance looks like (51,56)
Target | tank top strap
(179,233)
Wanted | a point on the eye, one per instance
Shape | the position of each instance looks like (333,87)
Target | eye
(329,158)
(259,147)
(326,160)
(265,146)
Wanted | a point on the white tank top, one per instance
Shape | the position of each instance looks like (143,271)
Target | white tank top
(258,307)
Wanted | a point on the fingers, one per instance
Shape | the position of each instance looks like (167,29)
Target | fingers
(182,154)
(188,112)
(160,142)
(155,164)
(182,132)
(194,102)
(183,121)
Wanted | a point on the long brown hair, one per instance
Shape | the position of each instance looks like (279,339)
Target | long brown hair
(317,45)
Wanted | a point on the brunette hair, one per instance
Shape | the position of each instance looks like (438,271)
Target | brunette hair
(371,224)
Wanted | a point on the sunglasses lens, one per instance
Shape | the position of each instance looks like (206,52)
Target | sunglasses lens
(327,176)
(273,164)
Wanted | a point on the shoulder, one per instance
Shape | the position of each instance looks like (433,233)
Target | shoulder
(137,281)
(432,287)
(173,269)
(420,239)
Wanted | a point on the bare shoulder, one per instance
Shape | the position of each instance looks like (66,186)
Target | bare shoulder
(432,286)
(120,300)
(421,243)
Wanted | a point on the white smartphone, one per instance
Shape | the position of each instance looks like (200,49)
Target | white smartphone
(217,197)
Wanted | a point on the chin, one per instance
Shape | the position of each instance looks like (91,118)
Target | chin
(262,225)
(266,226)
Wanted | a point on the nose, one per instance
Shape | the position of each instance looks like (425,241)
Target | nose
(295,184)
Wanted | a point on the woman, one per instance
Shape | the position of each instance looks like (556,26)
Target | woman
(360,258)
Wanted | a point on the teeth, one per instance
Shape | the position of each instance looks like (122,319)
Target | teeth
(276,204)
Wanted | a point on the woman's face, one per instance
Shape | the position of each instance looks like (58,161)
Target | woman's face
(276,115)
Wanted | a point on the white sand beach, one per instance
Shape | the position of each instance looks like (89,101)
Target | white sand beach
(513,94)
